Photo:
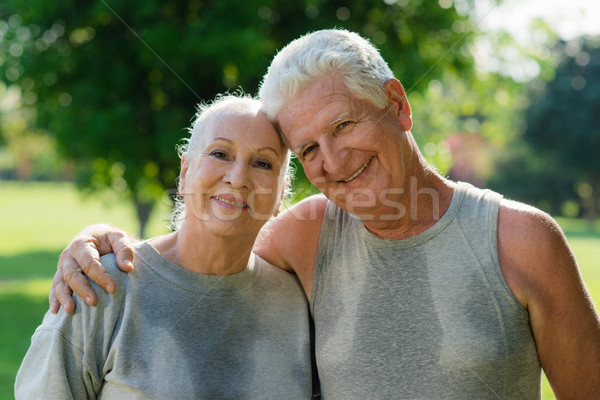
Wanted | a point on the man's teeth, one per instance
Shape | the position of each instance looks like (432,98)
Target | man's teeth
(233,203)
(357,173)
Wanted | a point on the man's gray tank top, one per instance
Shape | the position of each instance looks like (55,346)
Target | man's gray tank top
(428,317)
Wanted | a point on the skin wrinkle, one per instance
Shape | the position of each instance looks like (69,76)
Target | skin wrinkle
(373,134)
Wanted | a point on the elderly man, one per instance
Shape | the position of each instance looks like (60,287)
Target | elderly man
(419,287)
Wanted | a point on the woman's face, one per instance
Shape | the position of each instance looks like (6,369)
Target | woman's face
(232,182)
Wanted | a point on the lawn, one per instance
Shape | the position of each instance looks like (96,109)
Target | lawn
(38,219)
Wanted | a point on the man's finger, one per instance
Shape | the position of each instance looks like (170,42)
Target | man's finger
(86,257)
(121,245)
(63,295)
(96,272)
(74,280)
(125,259)
(52,300)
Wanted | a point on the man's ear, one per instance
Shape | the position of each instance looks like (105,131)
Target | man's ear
(394,93)
(185,164)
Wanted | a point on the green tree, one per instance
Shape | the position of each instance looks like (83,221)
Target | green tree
(563,119)
(116,82)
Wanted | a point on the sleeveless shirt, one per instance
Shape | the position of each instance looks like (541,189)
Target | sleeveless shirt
(427,317)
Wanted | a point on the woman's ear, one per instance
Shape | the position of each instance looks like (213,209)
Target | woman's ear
(394,93)
(185,164)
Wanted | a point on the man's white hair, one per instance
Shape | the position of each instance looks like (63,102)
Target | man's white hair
(330,52)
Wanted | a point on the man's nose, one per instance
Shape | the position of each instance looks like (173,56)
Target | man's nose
(333,159)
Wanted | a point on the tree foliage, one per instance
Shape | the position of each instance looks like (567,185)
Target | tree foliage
(116,82)
(563,120)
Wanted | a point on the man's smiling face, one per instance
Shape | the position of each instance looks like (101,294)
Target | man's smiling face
(351,150)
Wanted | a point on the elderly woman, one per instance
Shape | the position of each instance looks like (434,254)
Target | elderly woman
(200,316)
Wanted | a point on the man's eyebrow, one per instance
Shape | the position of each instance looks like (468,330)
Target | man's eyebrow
(298,149)
(339,118)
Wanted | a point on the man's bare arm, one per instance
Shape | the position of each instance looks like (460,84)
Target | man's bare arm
(541,271)
(290,241)
(83,256)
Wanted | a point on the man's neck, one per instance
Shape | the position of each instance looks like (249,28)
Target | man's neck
(425,199)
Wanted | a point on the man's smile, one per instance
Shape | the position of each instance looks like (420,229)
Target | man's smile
(361,169)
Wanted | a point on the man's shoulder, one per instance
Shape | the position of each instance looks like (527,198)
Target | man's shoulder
(526,219)
(531,248)
(310,209)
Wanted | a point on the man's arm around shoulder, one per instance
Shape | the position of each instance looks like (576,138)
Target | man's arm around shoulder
(83,256)
(290,241)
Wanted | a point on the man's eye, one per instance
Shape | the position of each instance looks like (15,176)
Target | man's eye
(343,125)
(309,149)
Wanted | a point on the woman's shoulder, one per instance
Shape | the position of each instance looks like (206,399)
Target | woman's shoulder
(143,251)
(121,278)
(82,326)
(276,278)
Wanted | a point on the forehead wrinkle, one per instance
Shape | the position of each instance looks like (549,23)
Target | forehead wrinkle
(222,119)
(255,151)
(294,111)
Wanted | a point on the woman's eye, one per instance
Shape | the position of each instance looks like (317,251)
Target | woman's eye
(218,154)
(263,164)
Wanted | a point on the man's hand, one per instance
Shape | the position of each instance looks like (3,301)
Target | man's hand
(83,256)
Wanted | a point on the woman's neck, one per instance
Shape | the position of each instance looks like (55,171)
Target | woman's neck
(205,253)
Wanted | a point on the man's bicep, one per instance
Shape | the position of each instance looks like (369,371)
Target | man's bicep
(545,277)
(290,241)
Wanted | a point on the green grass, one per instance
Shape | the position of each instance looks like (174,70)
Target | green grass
(38,219)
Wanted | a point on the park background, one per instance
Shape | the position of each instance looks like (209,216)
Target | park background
(95,95)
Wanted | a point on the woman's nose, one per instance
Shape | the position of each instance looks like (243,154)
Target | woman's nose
(237,175)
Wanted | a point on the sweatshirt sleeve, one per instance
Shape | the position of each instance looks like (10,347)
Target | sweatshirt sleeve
(55,365)
(66,359)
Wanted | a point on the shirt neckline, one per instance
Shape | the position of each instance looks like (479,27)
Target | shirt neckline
(457,198)
(212,285)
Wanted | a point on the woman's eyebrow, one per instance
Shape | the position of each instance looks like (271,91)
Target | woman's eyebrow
(270,149)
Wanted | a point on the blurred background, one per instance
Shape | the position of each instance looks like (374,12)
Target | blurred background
(94,96)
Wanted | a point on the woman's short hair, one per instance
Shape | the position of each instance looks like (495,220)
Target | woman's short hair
(207,115)
(330,52)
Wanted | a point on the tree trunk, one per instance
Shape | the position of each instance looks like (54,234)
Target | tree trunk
(592,211)
(143,212)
